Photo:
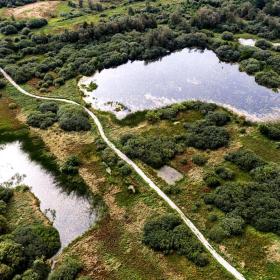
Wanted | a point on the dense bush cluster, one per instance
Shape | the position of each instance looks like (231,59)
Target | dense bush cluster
(271,131)
(69,117)
(155,151)
(68,270)
(13,27)
(73,118)
(256,202)
(23,250)
(167,234)
(245,159)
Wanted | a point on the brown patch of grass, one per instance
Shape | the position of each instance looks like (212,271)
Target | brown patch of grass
(43,9)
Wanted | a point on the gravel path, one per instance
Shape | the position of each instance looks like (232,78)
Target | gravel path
(151,184)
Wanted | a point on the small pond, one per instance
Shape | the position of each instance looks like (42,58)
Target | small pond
(180,76)
(72,215)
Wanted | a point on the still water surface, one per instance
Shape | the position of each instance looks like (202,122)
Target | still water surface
(73,214)
(185,75)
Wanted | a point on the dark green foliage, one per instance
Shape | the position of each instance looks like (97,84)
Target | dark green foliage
(245,159)
(228,36)
(155,151)
(218,118)
(3,224)
(109,157)
(271,131)
(227,53)
(12,255)
(168,234)
(2,83)
(68,270)
(70,167)
(224,173)
(48,106)
(41,120)
(199,160)
(38,241)
(9,3)
(3,207)
(73,118)
(227,227)
(5,194)
(263,44)
(204,136)
(250,65)
(268,79)
(211,180)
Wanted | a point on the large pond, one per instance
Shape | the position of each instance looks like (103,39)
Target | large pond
(72,215)
(185,75)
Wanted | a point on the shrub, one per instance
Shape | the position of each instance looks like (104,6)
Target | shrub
(2,83)
(271,131)
(263,44)
(203,136)
(211,180)
(250,65)
(125,170)
(73,118)
(218,118)
(3,224)
(3,207)
(70,167)
(6,272)
(48,106)
(199,159)
(245,159)
(167,234)
(228,36)
(41,120)
(68,270)
(155,151)
(227,53)
(38,241)
(224,173)
(5,194)
(268,78)
(11,254)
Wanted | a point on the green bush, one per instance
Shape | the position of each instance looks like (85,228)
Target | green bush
(218,118)
(68,270)
(3,207)
(70,167)
(48,106)
(2,83)
(228,36)
(199,160)
(245,159)
(38,241)
(224,173)
(250,66)
(12,255)
(41,120)
(73,118)
(203,136)
(263,44)
(3,224)
(167,234)
(268,78)
(5,194)
(211,180)
(6,272)
(271,131)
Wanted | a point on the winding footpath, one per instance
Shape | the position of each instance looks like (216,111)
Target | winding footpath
(139,171)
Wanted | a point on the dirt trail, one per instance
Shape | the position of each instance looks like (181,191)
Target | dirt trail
(233,271)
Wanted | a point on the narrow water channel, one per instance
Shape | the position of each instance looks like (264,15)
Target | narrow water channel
(72,215)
